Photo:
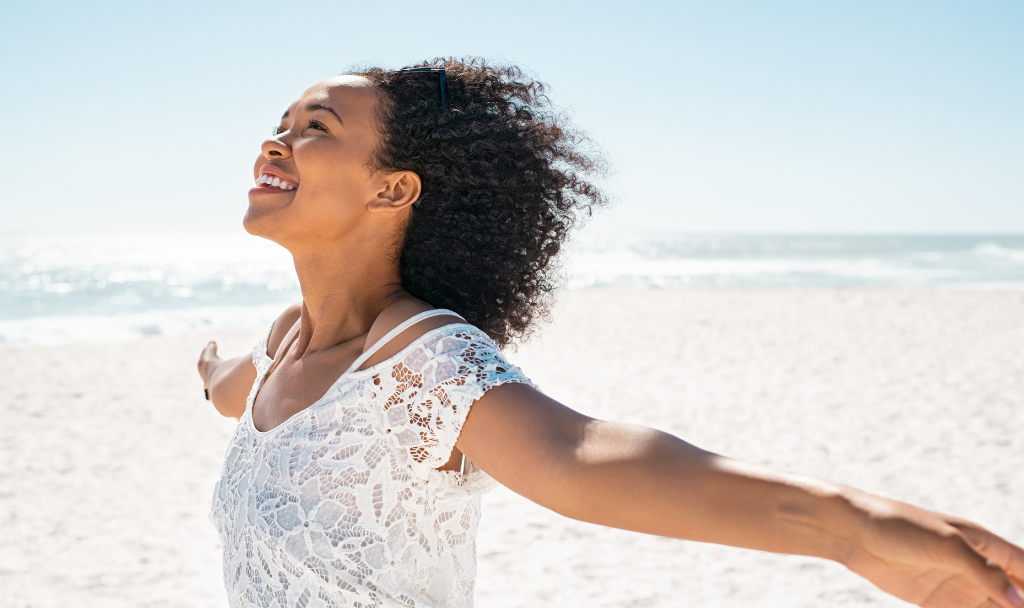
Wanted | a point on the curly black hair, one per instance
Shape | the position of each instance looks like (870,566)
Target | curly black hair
(505,178)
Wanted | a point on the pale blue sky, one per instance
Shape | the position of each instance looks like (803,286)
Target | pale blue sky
(865,116)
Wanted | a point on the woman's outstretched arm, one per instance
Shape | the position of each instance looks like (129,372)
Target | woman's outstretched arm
(640,479)
(229,381)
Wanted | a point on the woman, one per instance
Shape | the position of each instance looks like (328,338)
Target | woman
(422,209)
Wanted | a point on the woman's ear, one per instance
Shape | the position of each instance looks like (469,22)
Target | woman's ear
(401,189)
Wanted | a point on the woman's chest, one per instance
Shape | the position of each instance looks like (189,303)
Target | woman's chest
(293,386)
(332,445)
(329,470)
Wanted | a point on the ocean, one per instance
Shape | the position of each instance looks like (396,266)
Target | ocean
(83,288)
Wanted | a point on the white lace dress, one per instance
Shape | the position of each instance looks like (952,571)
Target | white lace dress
(342,504)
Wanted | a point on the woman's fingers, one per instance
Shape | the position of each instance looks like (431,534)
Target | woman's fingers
(987,574)
(1003,553)
(999,552)
(209,354)
(1016,596)
(209,351)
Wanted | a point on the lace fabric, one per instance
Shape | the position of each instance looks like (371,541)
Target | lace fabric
(342,504)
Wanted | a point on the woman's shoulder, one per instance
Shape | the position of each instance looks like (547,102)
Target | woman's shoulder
(284,322)
(397,313)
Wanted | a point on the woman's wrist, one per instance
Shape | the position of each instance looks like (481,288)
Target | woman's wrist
(856,519)
(823,519)
(206,369)
(784,512)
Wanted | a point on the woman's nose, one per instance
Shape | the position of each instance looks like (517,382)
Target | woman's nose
(275,148)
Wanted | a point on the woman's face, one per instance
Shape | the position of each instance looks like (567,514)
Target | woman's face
(314,177)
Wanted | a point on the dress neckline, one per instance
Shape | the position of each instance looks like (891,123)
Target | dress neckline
(348,374)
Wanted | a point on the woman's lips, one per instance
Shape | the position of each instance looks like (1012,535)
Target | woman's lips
(268,180)
(263,190)
(271,182)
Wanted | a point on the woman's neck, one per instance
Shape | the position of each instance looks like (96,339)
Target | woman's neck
(345,286)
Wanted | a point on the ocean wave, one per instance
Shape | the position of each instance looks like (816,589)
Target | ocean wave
(92,329)
(61,275)
(621,260)
(82,262)
(57,289)
(619,268)
(992,250)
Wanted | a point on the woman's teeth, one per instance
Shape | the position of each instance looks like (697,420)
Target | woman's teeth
(271,180)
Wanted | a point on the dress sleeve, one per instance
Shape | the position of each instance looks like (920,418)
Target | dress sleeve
(432,389)
(259,352)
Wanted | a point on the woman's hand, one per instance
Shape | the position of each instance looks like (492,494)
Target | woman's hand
(227,381)
(934,560)
(208,361)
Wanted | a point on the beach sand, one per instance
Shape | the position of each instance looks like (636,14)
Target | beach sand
(109,454)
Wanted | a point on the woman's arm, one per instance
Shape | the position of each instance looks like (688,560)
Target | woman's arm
(229,381)
(640,479)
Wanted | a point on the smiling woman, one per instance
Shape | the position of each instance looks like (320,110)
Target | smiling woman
(378,410)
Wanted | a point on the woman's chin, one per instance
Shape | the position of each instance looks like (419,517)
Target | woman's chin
(248,226)
(257,221)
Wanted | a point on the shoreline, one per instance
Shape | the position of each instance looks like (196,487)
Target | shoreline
(129,327)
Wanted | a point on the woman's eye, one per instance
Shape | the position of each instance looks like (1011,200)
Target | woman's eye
(277,130)
(315,125)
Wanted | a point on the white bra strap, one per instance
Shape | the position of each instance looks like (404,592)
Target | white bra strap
(404,325)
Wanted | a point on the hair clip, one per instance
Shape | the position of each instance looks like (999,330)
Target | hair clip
(442,82)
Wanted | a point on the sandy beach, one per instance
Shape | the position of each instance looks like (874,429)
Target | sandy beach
(109,454)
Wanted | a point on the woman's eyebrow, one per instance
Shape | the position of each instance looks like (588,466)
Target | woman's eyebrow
(314,107)
(319,106)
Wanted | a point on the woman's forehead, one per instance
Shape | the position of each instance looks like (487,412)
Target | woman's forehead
(350,94)
(341,83)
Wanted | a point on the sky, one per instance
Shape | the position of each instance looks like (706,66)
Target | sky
(771,117)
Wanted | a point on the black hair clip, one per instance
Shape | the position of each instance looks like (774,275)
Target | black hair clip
(442,84)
